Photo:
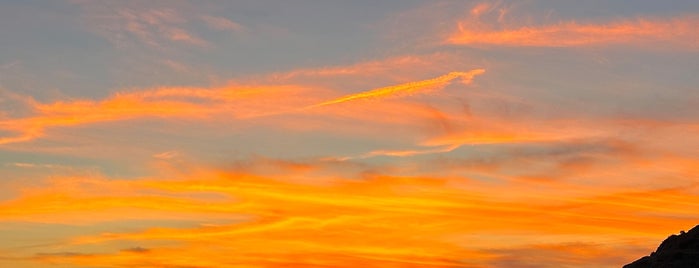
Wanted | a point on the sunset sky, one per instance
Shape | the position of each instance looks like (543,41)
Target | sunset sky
(396,133)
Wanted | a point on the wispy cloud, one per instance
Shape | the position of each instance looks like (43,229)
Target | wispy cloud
(223,24)
(160,102)
(480,28)
(166,155)
(307,220)
(240,101)
(38,165)
(402,153)
(126,25)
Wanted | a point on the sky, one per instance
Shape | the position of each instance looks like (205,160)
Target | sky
(393,133)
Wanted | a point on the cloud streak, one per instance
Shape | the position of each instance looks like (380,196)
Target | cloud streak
(404,89)
(441,225)
(222,24)
(677,32)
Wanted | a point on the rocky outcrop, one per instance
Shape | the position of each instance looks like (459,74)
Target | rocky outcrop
(677,251)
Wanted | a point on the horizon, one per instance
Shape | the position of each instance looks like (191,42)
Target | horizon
(346,133)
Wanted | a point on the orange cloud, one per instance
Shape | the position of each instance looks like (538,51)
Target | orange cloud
(677,32)
(238,102)
(377,221)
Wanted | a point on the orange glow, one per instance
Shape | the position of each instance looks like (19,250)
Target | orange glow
(344,222)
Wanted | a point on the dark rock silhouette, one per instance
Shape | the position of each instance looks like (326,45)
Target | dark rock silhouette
(677,251)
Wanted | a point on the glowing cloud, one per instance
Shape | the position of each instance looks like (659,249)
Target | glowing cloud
(341,222)
(239,101)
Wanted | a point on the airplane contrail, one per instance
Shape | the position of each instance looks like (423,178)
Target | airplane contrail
(402,88)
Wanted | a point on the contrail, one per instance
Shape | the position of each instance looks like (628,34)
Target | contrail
(403,88)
